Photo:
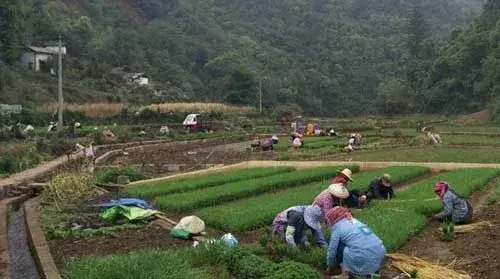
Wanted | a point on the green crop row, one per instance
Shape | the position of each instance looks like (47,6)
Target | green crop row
(227,192)
(396,220)
(260,211)
(214,261)
(205,181)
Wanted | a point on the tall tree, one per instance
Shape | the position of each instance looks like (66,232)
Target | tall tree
(417,32)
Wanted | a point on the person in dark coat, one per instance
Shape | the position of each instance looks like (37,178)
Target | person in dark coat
(380,188)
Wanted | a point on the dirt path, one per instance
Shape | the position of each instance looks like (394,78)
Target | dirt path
(31,174)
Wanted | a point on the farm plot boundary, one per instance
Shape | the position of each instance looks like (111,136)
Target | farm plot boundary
(259,211)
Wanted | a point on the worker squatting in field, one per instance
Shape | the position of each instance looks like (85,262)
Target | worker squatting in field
(353,247)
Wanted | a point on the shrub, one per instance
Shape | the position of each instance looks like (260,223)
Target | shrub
(60,146)
(110,175)
(253,267)
(68,187)
(98,137)
(42,145)
(294,270)
(7,164)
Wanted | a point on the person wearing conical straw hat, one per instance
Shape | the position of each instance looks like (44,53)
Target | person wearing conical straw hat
(353,246)
(336,194)
(456,208)
(290,225)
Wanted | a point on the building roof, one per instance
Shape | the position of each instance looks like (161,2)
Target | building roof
(135,75)
(46,50)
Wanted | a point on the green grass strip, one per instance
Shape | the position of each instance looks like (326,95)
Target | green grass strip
(260,211)
(396,220)
(149,264)
(232,191)
(205,181)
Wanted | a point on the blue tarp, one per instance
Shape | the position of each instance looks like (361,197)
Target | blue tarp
(126,201)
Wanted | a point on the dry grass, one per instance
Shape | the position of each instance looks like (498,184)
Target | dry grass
(199,107)
(424,269)
(110,109)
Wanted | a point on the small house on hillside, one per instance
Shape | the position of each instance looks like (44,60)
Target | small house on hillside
(33,57)
(137,78)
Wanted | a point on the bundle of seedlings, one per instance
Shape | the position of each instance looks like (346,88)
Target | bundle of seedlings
(423,269)
(470,227)
(448,230)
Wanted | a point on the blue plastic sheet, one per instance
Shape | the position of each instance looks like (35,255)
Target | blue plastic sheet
(127,202)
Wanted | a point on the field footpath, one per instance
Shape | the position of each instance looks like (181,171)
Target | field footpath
(434,167)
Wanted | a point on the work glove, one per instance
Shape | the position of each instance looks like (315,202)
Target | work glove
(290,230)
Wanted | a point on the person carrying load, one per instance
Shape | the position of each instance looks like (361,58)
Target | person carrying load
(290,225)
(353,246)
(456,208)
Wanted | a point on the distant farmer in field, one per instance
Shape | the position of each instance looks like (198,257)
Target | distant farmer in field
(290,225)
(267,145)
(456,208)
(297,141)
(380,188)
(353,246)
(350,143)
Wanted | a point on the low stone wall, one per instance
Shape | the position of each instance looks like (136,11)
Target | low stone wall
(5,206)
(38,244)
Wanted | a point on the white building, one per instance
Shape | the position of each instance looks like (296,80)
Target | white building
(33,56)
(137,78)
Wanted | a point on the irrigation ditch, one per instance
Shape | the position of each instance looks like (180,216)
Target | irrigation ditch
(24,252)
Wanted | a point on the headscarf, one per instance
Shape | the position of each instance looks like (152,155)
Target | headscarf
(340,178)
(336,214)
(440,188)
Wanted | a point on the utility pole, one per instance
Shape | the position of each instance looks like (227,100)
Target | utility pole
(260,95)
(59,89)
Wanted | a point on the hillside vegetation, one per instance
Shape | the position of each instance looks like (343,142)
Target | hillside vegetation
(335,58)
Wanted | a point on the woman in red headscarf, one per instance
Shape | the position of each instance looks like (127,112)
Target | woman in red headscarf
(456,208)
(353,246)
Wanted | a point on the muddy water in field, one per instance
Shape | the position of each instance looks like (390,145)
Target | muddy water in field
(21,260)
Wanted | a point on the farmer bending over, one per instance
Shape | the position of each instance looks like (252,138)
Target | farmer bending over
(290,225)
(268,145)
(455,207)
(380,188)
(338,195)
(353,246)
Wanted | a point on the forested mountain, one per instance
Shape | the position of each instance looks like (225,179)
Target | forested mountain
(330,57)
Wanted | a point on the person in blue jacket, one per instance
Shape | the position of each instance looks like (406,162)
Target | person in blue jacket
(353,246)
